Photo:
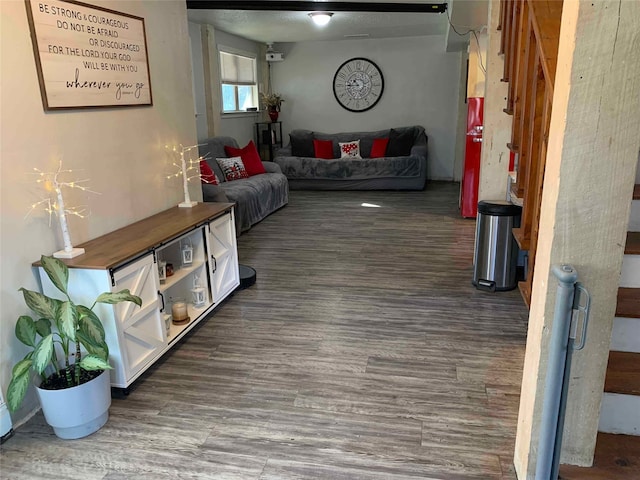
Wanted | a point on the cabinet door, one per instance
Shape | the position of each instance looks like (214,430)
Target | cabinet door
(142,333)
(223,257)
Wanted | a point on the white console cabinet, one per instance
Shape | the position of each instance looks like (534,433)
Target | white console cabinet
(199,244)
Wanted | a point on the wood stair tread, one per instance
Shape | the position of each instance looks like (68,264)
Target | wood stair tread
(628,305)
(616,457)
(522,238)
(623,373)
(636,192)
(632,246)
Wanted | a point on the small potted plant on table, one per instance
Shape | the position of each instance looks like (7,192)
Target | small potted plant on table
(272,102)
(74,393)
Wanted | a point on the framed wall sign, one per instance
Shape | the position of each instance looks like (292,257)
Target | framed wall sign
(88,56)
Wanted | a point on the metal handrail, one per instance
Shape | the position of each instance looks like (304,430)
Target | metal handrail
(569,298)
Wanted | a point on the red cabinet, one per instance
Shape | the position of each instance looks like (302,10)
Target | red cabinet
(473,149)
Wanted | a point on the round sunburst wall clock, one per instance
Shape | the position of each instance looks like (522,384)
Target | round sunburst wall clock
(358,84)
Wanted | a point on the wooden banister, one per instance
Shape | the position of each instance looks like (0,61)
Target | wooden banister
(529,39)
(546,16)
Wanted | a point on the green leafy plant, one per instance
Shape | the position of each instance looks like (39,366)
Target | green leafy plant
(74,329)
(271,101)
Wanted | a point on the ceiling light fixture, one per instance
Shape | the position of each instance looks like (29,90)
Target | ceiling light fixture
(321,18)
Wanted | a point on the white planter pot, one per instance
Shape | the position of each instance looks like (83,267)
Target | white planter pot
(78,411)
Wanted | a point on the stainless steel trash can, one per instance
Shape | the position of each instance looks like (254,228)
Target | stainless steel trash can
(496,252)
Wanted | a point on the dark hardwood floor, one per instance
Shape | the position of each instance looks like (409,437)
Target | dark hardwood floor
(362,352)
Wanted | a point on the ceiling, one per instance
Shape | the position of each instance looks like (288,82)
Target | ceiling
(278,26)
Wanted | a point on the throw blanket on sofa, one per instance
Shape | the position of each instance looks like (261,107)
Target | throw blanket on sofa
(255,197)
(345,168)
(404,166)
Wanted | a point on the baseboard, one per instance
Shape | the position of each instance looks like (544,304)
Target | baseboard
(619,414)
(6,437)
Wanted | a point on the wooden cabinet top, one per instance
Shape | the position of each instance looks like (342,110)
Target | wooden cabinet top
(115,248)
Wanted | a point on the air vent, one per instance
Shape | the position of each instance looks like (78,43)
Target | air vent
(357,35)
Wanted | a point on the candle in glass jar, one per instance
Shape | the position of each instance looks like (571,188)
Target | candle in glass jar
(179,310)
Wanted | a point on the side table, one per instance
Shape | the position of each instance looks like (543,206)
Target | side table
(268,139)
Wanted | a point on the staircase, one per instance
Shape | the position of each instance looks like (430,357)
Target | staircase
(617,453)
(529,42)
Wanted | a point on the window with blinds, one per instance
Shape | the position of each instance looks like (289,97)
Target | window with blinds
(239,84)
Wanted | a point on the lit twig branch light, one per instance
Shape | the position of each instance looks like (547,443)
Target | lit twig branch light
(188,169)
(54,185)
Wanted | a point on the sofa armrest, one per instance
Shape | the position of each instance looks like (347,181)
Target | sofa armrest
(419,148)
(213,193)
(271,167)
(284,151)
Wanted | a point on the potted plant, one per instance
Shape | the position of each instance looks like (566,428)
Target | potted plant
(272,102)
(70,355)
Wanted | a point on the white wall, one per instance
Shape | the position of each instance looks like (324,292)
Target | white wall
(477,75)
(195,39)
(120,149)
(240,126)
(422,85)
(461,126)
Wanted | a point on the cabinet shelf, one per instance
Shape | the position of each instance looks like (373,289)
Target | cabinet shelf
(176,331)
(180,274)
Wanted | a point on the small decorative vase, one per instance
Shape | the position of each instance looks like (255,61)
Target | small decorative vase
(273,114)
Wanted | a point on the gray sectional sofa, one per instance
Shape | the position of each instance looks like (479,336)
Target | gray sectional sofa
(255,197)
(404,166)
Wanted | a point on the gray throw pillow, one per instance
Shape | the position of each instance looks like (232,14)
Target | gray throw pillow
(216,169)
(213,193)
(302,143)
(400,142)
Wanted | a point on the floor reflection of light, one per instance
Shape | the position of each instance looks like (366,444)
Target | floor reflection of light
(370,205)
